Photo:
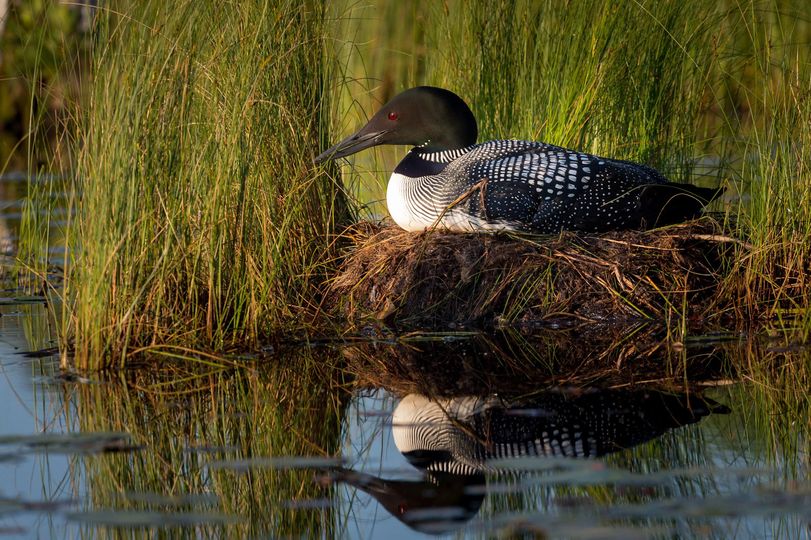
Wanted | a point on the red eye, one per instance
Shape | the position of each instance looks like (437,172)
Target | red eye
(392,116)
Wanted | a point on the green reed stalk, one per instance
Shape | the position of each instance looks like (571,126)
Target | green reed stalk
(775,169)
(622,80)
(202,218)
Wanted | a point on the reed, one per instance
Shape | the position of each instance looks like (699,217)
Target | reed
(770,132)
(202,219)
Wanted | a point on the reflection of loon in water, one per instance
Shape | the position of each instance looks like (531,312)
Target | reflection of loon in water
(452,440)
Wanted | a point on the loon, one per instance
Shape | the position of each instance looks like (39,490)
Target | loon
(447,180)
(455,442)
(468,434)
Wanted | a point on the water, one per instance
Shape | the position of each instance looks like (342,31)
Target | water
(439,436)
(233,452)
(33,484)
(700,481)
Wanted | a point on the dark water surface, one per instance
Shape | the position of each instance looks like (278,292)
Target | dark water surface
(578,433)
(269,449)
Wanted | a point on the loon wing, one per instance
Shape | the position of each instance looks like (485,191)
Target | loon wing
(516,178)
(547,189)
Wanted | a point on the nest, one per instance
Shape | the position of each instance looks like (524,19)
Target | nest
(440,280)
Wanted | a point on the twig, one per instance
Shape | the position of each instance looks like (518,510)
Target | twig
(481,184)
(631,244)
(720,238)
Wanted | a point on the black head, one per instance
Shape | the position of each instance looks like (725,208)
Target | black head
(425,116)
(440,503)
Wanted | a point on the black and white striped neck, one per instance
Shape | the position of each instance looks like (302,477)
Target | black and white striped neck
(442,156)
(420,162)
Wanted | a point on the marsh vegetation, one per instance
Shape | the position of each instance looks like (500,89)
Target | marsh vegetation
(178,227)
(200,220)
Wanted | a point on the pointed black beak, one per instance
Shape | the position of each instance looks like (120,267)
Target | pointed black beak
(354,143)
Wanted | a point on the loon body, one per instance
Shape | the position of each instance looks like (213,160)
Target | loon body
(456,442)
(448,180)
(464,435)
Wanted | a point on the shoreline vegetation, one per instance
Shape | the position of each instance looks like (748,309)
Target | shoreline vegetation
(211,226)
(200,221)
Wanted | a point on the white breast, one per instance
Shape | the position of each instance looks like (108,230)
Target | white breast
(407,218)
(400,210)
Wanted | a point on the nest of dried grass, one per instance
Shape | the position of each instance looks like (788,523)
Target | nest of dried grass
(438,279)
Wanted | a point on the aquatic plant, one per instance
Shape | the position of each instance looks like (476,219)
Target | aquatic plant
(202,219)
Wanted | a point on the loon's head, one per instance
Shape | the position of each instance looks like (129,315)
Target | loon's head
(425,116)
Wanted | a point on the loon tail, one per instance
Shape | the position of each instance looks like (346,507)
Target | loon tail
(666,204)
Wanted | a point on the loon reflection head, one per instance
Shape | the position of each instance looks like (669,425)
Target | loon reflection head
(426,116)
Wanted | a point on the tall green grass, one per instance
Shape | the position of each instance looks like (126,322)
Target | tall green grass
(769,131)
(626,80)
(618,79)
(202,219)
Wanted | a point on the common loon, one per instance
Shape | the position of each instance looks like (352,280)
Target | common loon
(456,442)
(465,435)
(447,180)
